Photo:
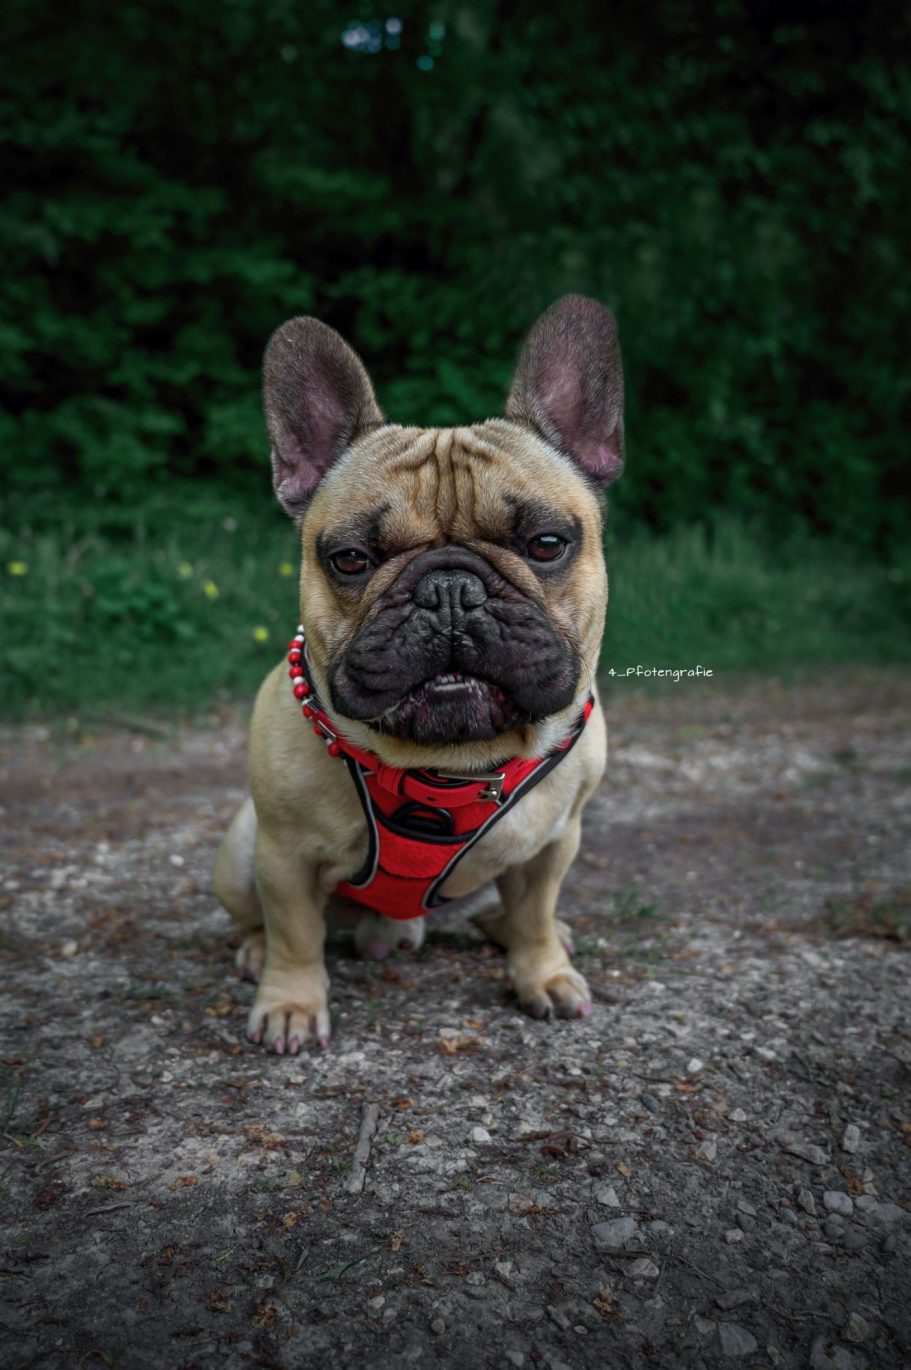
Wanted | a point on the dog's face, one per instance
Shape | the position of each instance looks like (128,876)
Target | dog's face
(453,585)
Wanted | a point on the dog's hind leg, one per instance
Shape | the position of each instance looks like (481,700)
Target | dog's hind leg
(235,887)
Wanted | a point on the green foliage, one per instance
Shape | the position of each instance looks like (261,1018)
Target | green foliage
(184,177)
(103,619)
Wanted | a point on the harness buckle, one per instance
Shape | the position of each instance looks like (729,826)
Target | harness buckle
(326,731)
(493,788)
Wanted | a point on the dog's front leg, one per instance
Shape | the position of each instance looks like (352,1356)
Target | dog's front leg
(544,980)
(291,1006)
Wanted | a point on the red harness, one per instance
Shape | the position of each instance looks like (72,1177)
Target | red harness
(420,822)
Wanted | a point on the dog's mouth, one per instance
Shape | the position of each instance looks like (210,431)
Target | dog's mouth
(449,708)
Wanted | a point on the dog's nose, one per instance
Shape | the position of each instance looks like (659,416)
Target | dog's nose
(450,588)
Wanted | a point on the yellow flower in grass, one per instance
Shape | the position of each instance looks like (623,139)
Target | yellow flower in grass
(260,634)
(184,570)
(17,568)
(286,569)
(210,589)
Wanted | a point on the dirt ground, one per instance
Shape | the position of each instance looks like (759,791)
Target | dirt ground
(713,1170)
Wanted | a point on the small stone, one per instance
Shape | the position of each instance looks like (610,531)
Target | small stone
(807,1151)
(886,1214)
(644,1269)
(69,950)
(833,1230)
(826,1354)
(437,1326)
(480,1134)
(377,1302)
(615,1234)
(476,1278)
(694,1065)
(837,1201)
(515,1357)
(850,1142)
(807,1202)
(748,1293)
(856,1329)
(659,1227)
(607,1195)
(557,1317)
(736,1340)
(704,1326)
(708,1149)
(745,1206)
(650,1102)
(737,1115)
(733,1235)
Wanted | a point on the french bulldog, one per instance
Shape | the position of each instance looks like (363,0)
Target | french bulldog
(452,601)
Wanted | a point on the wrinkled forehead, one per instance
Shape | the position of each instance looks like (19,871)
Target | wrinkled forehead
(401,486)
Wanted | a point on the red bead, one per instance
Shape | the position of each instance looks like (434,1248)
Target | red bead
(296,672)
(308,712)
(300,689)
(293,645)
(332,749)
(318,730)
(294,657)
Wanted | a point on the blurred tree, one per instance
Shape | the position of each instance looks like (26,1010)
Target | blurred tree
(730,178)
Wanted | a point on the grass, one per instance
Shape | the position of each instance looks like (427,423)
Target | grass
(110,616)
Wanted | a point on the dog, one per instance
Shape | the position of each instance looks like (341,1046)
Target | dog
(437,728)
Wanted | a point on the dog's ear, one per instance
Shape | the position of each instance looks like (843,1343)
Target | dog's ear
(317,398)
(569,385)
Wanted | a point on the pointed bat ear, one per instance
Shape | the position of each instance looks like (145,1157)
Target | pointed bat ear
(569,385)
(317,398)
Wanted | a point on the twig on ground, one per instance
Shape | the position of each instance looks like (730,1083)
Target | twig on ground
(358,1173)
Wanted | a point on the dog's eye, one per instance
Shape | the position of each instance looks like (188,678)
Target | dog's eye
(546,547)
(349,562)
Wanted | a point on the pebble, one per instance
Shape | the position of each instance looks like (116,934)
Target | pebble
(480,1134)
(736,1340)
(644,1269)
(737,1115)
(733,1235)
(837,1201)
(807,1202)
(615,1234)
(745,1206)
(856,1329)
(694,1065)
(827,1355)
(69,950)
(437,1326)
(557,1317)
(607,1195)
(748,1293)
(515,1358)
(807,1152)
(708,1150)
(850,1142)
(650,1102)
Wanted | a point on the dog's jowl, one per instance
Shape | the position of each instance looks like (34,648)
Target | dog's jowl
(435,732)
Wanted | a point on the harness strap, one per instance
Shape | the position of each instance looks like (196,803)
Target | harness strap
(420,823)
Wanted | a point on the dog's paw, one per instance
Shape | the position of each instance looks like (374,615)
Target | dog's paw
(551,989)
(251,955)
(375,936)
(286,1017)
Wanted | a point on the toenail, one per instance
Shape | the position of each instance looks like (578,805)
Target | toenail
(584,1010)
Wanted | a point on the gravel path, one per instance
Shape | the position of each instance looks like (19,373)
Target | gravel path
(711,1171)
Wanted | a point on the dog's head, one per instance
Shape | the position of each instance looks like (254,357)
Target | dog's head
(453,586)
